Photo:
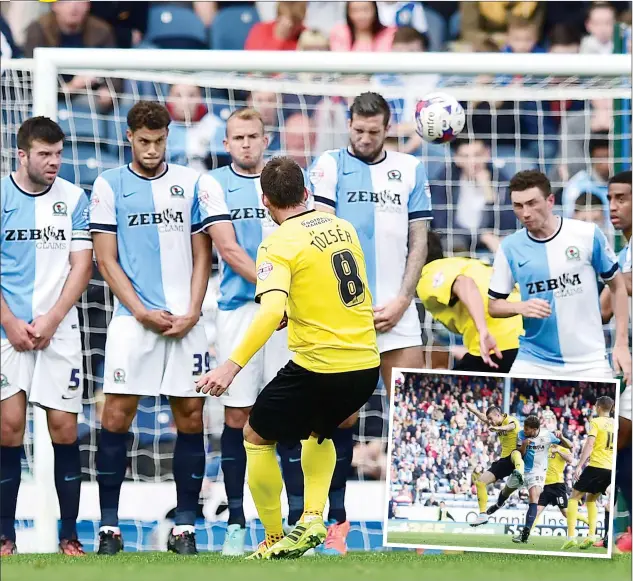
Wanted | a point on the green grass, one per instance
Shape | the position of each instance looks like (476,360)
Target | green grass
(535,543)
(400,566)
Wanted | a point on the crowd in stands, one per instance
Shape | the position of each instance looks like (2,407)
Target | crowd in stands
(468,180)
(439,448)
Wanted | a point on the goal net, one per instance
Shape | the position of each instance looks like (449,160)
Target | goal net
(550,117)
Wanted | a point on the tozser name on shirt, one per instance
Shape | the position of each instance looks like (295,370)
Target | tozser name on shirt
(566,285)
(166,221)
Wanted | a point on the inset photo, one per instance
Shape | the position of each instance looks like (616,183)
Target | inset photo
(487,462)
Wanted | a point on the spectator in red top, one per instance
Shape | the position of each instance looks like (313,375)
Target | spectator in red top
(363,30)
(280,34)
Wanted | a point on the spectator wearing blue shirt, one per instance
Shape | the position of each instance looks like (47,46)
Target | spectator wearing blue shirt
(592,180)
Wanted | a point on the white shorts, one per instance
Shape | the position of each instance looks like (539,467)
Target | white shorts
(141,362)
(262,368)
(625,403)
(529,480)
(407,333)
(52,378)
(599,371)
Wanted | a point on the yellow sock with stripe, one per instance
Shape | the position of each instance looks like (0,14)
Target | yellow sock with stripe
(592,515)
(317,462)
(517,460)
(583,519)
(482,495)
(265,484)
(572,517)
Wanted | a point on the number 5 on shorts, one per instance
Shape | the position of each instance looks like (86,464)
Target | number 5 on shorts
(75,380)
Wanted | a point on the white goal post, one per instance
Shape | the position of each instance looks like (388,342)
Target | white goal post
(584,77)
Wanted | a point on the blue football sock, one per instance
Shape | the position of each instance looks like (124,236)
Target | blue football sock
(10,475)
(68,485)
(293,478)
(531,515)
(344,444)
(111,467)
(189,470)
(234,469)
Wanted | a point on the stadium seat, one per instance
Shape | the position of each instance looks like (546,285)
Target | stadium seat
(172,26)
(79,120)
(83,162)
(231,26)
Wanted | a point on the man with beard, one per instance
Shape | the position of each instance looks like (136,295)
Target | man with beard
(151,250)
(386,196)
(238,185)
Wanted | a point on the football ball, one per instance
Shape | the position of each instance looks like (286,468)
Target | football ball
(439,118)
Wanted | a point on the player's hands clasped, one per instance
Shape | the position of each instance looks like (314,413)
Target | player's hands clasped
(157,321)
(536,309)
(45,327)
(386,317)
(487,343)
(217,381)
(621,357)
(21,334)
(180,326)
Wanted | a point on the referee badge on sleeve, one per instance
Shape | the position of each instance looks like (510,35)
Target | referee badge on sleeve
(264,270)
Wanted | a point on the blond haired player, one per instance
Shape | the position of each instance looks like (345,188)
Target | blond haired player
(510,463)
(596,477)
(313,268)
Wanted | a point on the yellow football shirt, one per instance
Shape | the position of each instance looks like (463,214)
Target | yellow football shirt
(555,466)
(509,439)
(435,292)
(602,454)
(316,259)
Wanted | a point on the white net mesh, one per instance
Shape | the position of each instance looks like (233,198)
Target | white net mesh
(524,122)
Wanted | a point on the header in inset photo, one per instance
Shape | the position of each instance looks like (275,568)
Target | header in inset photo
(485,462)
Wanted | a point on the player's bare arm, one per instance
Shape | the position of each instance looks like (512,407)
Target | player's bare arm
(503,429)
(223,236)
(273,307)
(564,441)
(201,253)
(20,334)
(76,283)
(565,456)
(387,316)
(105,247)
(530,309)
(473,410)
(524,446)
(465,289)
(584,455)
(621,355)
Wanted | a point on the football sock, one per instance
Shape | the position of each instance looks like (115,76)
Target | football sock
(517,460)
(11,471)
(572,517)
(482,495)
(592,514)
(265,484)
(607,524)
(503,496)
(344,444)
(293,478)
(582,519)
(68,485)
(318,462)
(536,520)
(623,476)
(111,467)
(234,469)
(188,467)
(531,515)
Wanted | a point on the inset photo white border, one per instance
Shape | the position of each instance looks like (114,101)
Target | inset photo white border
(398,373)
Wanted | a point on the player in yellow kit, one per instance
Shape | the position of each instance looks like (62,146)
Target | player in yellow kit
(455,292)
(312,267)
(555,491)
(596,477)
(510,463)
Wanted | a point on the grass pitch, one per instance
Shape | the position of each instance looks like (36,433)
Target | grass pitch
(535,543)
(403,566)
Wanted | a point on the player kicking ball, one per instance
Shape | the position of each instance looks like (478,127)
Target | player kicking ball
(510,463)
(313,267)
(46,265)
(596,477)
(153,253)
